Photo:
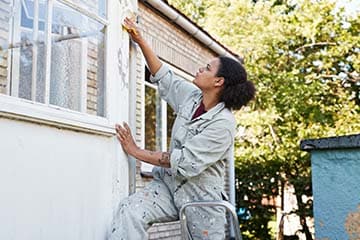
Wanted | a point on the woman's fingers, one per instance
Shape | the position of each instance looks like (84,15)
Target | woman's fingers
(130,26)
(119,132)
(129,22)
(123,132)
(120,129)
(127,128)
(119,138)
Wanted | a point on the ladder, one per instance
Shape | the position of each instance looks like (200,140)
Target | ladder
(228,207)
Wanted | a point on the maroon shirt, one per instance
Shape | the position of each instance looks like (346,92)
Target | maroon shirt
(199,111)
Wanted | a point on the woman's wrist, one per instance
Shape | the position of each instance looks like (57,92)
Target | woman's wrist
(141,42)
(136,152)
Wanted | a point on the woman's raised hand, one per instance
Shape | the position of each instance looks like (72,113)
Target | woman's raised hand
(133,30)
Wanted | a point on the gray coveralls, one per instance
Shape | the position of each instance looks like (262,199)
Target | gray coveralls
(198,152)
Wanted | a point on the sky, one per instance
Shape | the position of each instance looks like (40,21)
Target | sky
(352,7)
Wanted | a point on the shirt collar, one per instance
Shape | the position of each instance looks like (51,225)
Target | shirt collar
(212,112)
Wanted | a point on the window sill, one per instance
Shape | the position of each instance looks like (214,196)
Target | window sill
(25,110)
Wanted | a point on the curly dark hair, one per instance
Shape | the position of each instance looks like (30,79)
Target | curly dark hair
(238,91)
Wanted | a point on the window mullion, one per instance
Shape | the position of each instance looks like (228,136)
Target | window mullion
(35,50)
(48,28)
(158,120)
(163,125)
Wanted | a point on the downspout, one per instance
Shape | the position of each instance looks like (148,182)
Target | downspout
(232,199)
(217,48)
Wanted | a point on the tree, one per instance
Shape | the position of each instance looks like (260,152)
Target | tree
(305,61)
(194,9)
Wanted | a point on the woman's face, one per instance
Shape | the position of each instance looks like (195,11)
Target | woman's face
(205,77)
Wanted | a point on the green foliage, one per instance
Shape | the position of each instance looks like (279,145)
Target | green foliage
(257,170)
(194,9)
(304,59)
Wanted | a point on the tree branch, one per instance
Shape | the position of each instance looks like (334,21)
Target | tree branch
(314,45)
(351,77)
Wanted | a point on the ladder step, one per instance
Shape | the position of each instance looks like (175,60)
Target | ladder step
(228,207)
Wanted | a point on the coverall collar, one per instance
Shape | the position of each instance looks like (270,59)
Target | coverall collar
(212,112)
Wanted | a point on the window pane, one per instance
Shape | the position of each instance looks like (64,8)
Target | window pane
(95,6)
(17,50)
(65,83)
(25,65)
(150,118)
(25,49)
(77,59)
(170,121)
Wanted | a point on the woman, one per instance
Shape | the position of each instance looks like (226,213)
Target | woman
(202,136)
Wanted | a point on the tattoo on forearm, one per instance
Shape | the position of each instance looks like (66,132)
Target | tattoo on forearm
(150,152)
(164,161)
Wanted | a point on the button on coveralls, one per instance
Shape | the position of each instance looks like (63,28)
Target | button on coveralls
(199,150)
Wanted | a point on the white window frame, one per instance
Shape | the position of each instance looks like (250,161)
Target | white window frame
(16,61)
(45,113)
(145,167)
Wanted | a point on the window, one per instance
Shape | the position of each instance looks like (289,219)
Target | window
(159,119)
(52,52)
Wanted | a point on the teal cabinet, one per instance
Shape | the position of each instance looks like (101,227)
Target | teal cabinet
(335,166)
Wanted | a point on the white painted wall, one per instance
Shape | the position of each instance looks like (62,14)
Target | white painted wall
(62,174)
(54,183)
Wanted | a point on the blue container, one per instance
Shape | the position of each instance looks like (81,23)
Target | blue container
(335,166)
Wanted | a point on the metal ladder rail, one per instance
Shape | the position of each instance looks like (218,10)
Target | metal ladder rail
(230,208)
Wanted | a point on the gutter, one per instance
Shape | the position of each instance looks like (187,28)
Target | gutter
(191,28)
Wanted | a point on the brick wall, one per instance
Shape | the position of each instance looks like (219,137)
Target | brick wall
(171,43)
(92,77)
(4,40)
(180,49)
(168,231)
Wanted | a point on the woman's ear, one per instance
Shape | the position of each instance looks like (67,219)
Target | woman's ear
(219,81)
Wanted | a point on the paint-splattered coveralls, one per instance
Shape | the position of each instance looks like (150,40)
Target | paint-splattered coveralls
(199,149)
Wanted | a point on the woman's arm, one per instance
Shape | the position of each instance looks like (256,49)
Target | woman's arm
(151,58)
(124,135)
(161,159)
(173,89)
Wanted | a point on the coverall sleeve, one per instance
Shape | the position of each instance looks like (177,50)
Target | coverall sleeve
(172,88)
(201,151)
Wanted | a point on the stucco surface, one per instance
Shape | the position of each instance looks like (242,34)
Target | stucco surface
(352,224)
(336,187)
(55,184)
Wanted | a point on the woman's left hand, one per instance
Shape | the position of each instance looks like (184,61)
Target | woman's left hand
(123,134)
